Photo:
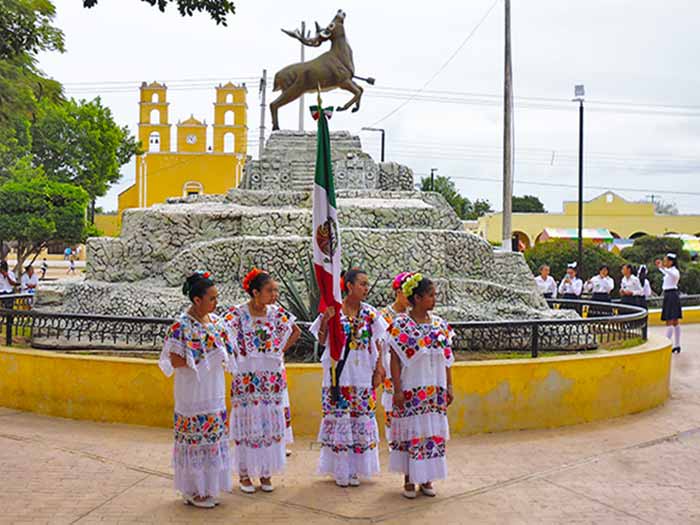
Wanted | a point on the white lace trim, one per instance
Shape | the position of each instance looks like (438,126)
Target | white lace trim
(418,471)
(342,465)
(422,426)
(203,470)
(260,462)
(346,431)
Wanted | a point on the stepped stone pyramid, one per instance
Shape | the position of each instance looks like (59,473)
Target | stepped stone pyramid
(386,227)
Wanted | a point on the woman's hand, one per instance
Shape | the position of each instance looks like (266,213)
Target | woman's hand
(450,395)
(399,399)
(657,262)
(378,376)
(329,313)
(178,361)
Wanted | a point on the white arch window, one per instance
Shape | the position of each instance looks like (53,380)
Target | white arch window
(229,142)
(229,118)
(192,188)
(229,98)
(155,116)
(154,98)
(154,141)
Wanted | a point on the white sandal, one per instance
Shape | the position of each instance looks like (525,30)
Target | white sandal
(354,481)
(206,503)
(409,494)
(427,491)
(266,487)
(246,489)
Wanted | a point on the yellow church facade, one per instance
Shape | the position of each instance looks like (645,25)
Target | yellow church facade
(624,219)
(193,167)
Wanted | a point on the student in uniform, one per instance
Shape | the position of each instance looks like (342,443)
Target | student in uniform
(571,286)
(630,287)
(646,287)
(601,285)
(671,311)
(546,283)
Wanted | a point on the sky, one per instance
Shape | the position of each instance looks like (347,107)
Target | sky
(439,84)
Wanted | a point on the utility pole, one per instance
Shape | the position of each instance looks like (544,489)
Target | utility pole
(263,89)
(432,178)
(507,138)
(301,98)
(579,94)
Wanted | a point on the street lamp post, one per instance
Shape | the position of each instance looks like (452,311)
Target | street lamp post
(579,94)
(432,178)
(383,132)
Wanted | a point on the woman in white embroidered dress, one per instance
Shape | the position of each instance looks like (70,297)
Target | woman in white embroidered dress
(349,435)
(264,332)
(421,357)
(197,348)
(399,306)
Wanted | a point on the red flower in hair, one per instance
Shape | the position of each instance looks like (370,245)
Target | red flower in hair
(342,284)
(252,274)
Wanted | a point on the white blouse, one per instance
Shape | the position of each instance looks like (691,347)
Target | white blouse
(574,286)
(547,285)
(646,289)
(631,284)
(671,277)
(600,284)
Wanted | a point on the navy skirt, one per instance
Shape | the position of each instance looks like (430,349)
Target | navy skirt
(671,309)
(601,297)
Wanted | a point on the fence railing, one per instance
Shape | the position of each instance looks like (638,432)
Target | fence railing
(598,324)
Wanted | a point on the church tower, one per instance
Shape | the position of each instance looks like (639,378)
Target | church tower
(154,130)
(230,118)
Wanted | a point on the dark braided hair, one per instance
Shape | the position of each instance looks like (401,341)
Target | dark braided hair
(423,288)
(196,285)
(258,282)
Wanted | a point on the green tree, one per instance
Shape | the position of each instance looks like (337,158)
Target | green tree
(528,204)
(559,252)
(37,210)
(217,9)
(648,248)
(79,142)
(465,209)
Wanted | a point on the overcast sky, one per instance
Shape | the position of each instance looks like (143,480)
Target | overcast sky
(637,59)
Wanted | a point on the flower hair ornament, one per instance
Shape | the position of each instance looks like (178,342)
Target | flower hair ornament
(399,280)
(252,274)
(411,284)
(201,274)
(204,274)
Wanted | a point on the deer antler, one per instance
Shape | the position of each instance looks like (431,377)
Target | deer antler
(304,39)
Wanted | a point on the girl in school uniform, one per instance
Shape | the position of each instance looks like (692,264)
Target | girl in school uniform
(349,434)
(389,312)
(196,349)
(601,285)
(671,311)
(646,287)
(421,357)
(571,286)
(630,287)
(546,283)
(264,331)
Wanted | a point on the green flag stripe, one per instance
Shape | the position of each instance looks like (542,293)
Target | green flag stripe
(324,168)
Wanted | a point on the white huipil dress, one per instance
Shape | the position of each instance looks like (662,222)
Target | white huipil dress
(259,399)
(201,459)
(420,430)
(349,435)
(387,398)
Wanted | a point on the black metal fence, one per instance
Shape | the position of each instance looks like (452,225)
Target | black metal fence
(597,324)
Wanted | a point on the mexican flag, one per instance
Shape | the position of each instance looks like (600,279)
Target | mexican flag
(326,232)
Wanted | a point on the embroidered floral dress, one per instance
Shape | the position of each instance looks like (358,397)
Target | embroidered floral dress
(201,459)
(259,399)
(388,313)
(420,430)
(349,433)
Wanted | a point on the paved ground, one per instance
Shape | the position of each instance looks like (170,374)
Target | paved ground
(638,469)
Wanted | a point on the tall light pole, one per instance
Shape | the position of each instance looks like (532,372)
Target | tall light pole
(301,98)
(579,94)
(432,178)
(507,138)
(383,132)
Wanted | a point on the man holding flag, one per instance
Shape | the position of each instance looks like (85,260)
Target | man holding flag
(350,331)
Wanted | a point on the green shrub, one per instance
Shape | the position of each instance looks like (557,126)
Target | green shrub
(647,249)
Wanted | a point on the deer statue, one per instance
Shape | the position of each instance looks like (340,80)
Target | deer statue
(333,69)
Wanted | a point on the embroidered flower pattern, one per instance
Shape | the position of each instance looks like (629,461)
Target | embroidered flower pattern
(197,338)
(200,429)
(358,330)
(258,336)
(258,388)
(421,448)
(423,400)
(353,401)
(411,338)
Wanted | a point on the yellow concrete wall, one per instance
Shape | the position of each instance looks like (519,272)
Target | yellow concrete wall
(489,396)
(690,315)
(621,217)
(109,225)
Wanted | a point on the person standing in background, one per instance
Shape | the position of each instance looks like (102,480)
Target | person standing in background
(671,311)
(546,283)
(571,286)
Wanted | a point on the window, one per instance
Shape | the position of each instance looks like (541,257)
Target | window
(154,98)
(229,98)
(229,143)
(192,188)
(228,118)
(155,116)
(609,198)
(154,141)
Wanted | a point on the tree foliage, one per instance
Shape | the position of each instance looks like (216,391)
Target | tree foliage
(648,248)
(528,204)
(665,208)
(465,208)
(218,9)
(37,210)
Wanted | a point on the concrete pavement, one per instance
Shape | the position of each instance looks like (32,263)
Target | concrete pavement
(643,468)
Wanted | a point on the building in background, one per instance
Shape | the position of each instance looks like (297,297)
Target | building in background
(194,167)
(622,218)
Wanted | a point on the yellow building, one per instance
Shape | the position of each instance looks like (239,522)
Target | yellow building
(623,218)
(194,167)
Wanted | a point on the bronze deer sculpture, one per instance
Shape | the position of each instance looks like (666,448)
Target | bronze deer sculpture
(333,69)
